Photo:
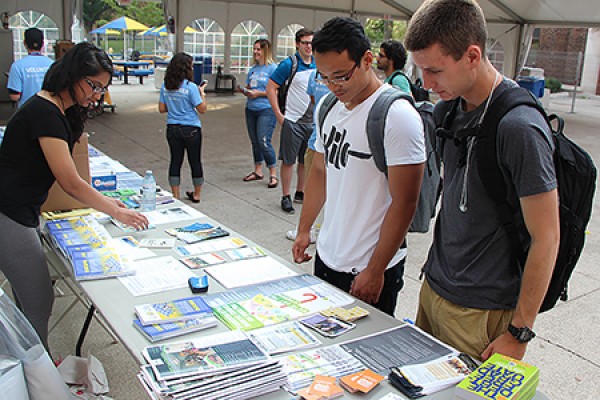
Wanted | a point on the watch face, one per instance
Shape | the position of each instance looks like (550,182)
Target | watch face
(523,334)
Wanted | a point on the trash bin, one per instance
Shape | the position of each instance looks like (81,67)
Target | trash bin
(159,76)
(207,62)
(198,71)
(535,84)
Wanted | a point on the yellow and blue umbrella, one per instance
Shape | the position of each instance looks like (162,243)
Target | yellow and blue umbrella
(162,31)
(125,24)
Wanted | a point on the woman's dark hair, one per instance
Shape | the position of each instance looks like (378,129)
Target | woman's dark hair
(180,68)
(339,34)
(395,51)
(84,59)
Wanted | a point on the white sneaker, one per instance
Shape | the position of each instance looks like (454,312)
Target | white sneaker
(291,235)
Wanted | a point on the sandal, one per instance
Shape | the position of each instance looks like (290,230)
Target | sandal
(190,196)
(252,176)
(272,182)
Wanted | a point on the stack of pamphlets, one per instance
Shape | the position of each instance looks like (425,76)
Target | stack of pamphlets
(159,321)
(322,388)
(220,257)
(500,377)
(197,232)
(301,368)
(416,380)
(361,382)
(224,366)
(85,243)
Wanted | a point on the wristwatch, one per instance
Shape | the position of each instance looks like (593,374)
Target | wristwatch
(523,335)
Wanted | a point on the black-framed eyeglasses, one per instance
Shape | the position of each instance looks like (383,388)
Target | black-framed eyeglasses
(306,42)
(336,81)
(95,88)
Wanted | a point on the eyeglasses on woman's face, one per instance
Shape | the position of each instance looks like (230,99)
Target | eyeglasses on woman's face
(95,87)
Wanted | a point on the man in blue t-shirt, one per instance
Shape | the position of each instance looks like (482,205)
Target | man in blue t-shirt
(27,74)
(297,123)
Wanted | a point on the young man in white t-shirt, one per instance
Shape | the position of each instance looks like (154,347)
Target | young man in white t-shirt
(366,215)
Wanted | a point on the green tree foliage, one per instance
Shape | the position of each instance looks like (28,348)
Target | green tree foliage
(375,30)
(98,12)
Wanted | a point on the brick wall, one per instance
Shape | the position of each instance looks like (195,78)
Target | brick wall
(558,50)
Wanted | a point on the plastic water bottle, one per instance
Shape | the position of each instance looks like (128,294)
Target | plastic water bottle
(149,192)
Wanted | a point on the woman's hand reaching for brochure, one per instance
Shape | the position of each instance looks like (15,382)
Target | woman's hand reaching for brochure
(129,217)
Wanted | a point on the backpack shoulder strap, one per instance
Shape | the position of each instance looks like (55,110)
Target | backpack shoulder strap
(487,157)
(294,68)
(376,124)
(327,104)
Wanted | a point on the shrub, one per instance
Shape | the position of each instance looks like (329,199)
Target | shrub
(553,84)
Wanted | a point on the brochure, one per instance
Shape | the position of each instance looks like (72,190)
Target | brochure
(281,338)
(159,243)
(175,310)
(202,260)
(157,332)
(204,356)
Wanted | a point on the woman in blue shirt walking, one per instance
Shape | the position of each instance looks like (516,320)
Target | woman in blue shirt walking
(182,100)
(260,118)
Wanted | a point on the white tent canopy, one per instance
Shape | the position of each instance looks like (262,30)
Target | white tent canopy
(510,21)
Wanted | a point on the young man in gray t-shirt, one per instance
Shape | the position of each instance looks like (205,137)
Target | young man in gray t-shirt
(475,296)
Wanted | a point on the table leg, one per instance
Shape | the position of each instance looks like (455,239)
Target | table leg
(125,74)
(84,329)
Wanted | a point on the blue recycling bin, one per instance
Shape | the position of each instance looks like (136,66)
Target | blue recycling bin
(206,62)
(198,72)
(533,83)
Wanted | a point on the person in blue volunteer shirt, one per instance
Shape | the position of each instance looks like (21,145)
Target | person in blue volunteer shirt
(297,120)
(27,74)
(260,118)
(182,100)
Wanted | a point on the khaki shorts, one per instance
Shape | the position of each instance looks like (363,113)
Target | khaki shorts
(469,330)
(308,159)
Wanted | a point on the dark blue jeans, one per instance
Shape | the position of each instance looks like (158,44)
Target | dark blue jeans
(260,129)
(182,138)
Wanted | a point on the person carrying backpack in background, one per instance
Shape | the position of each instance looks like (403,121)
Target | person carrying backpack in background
(294,113)
(476,297)
(391,60)
(366,214)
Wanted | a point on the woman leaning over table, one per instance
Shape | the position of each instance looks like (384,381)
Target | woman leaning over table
(182,100)
(36,151)
(260,118)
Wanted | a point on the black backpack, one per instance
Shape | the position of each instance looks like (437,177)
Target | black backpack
(285,86)
(375,127)
(575,173)
(417,90)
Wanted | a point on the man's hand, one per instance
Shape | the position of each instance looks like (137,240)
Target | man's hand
(505,344)
(299,249)
(367,286)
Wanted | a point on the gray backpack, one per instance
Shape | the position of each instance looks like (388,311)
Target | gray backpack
(431,185)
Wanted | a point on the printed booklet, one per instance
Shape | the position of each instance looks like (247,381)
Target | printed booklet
(175,310)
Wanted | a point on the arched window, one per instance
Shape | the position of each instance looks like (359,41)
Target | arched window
(24,20)
(286,41)
(205,36)
(495,53)
(242,39)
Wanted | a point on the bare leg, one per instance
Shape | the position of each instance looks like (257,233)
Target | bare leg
(286,178)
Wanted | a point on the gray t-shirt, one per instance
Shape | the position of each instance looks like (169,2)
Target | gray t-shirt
(470,261)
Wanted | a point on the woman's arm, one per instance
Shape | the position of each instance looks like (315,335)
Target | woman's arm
(56,152)
(201,108)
